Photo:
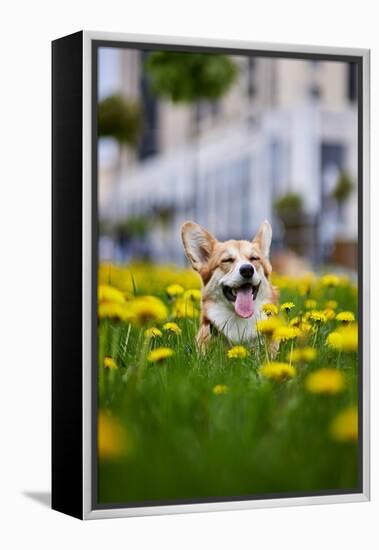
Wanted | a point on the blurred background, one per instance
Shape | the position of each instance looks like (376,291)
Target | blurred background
(227,142)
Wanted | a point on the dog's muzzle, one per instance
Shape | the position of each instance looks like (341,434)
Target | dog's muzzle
(230,293)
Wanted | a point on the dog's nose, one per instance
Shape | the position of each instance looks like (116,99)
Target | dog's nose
(247,271)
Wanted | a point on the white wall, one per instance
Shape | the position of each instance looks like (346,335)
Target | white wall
(27,28)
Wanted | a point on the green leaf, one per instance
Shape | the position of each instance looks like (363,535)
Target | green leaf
(120,118)
(190,77)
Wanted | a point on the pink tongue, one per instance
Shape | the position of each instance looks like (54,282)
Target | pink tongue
(244,302)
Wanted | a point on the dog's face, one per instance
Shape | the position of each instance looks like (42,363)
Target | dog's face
(233,272)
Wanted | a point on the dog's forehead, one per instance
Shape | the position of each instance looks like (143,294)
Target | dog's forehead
(236,248)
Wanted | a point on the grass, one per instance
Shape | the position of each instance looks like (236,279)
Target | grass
(168,436)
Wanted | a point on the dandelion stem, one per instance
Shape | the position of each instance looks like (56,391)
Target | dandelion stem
(259,342)
(291,350)
(142,362)
(339,358)
(316,334)
(125,345)
(266,349)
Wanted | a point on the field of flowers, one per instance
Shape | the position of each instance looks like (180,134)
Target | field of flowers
(174,423)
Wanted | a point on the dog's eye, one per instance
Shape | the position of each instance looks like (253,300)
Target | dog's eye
(227,260)
(253,258)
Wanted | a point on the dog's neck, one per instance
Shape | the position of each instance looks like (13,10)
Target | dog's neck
(234,328)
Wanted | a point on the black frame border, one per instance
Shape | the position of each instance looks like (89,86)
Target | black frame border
(67,264)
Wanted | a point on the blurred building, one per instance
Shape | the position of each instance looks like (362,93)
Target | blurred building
(286,126)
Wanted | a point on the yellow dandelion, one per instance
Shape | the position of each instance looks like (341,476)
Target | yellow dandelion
(328,381)
(329,314)
(280,281)
(345,338)
(146,309)
(184,308)
(237,352)
(109,363)
(298,355)
(318,316)
(345,316)
(330,280)
(305,283)
(277,371)
(193,294)
(160,354)
(303,289)
(344,427)
(268,326)
(115,311)
(295,322)
(153,333)
(287,306)
(286,333)
(310,304)
(331,304)
(306,328)
(349,337)
(334,340)
(174,290)
(107,293)
(220,389)
(308,353)
(113,440)
(270,309)
(173,328)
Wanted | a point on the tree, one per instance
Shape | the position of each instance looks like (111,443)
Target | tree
(190,77)
(290,211)
(120,118)
(289,205)
(343,188)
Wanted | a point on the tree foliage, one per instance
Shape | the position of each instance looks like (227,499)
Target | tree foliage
(190,77)
(120,118)
(289,204)
(134,226)
(343,188)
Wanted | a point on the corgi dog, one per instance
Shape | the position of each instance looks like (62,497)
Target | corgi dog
(235,276)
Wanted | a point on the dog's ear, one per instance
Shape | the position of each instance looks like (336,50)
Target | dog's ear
(263,238)
(198,244)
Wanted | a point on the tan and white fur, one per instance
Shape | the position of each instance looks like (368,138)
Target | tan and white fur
(235,276)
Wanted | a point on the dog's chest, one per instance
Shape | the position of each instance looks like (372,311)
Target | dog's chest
(235,328)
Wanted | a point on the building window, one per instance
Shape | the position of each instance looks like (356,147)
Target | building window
(148,143)
(332,161)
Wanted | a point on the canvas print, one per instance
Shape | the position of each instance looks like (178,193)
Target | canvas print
(228,276)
